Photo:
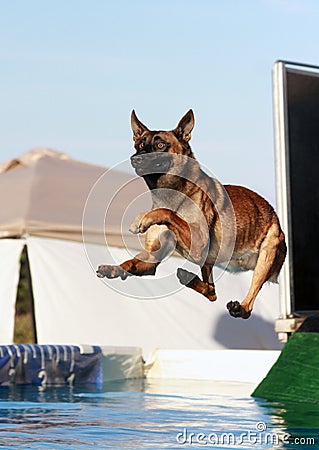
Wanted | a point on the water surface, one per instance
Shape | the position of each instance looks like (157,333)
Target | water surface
(158,414)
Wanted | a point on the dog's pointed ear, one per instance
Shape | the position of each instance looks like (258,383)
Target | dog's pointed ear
(137,126)
(185,126)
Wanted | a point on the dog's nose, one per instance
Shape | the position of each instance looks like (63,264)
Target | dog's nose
(136,160)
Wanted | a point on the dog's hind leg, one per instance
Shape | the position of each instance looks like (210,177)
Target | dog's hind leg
(205,287)
(271,256)
(159,243)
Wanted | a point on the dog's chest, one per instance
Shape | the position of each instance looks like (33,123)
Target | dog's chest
(178,202)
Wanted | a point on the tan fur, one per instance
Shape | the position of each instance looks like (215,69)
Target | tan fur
(228,226)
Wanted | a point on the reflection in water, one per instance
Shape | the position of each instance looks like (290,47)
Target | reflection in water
(300,421)
(148,413)
(294,415)
(68,394)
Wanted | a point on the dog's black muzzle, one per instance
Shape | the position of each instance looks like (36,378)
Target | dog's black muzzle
(149,163)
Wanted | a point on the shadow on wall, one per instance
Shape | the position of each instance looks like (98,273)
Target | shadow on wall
(254,333)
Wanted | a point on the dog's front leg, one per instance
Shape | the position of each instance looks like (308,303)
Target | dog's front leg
(159,242)
(192,238)
(205,287)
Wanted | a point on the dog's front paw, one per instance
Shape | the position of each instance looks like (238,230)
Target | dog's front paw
(134,227)
(236,310)
(142,223)
(111,272)
(211,293)
(184,276)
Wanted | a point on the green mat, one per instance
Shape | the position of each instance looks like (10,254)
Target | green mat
(295,375)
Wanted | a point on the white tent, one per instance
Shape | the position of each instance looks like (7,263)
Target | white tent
(43,196)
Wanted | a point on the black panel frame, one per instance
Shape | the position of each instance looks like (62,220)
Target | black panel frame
(297,154)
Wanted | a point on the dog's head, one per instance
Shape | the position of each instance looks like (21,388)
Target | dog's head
(157,151)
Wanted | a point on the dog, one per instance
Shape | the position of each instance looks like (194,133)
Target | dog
(205,222)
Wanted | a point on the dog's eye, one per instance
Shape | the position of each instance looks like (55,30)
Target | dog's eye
(141,145)
(161,145)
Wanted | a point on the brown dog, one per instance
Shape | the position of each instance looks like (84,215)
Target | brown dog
(206,222)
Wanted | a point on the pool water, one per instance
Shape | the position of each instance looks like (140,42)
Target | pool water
(157,414)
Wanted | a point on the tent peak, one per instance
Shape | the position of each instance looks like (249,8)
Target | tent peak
(31,157)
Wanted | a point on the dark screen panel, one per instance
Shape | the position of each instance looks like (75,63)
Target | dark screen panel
(303,162)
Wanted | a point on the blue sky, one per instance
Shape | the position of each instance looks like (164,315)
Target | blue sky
(72,71)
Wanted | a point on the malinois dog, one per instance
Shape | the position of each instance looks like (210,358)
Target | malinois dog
(205,222)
